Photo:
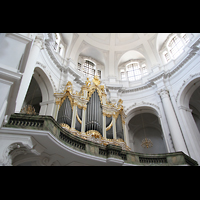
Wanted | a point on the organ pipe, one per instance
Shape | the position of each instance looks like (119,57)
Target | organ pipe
(94,114)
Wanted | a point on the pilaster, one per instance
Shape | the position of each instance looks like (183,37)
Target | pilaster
(177,137)
(104,126)
(28,72)
(74,116)
(83,120)
(114,128)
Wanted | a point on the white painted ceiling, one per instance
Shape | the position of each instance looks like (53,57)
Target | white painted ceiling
(120,47)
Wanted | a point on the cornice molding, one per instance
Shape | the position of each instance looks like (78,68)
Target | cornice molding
(185,82)
(142,103)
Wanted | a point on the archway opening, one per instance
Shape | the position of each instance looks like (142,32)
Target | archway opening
(33,96)
(146,125)
(194,104)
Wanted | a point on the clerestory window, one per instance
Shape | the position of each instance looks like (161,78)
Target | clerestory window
(135,71)
(89,69)
(174,46)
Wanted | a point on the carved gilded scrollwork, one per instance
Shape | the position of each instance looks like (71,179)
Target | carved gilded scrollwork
(95,136)
(96,80)
(109,126)
(79,120)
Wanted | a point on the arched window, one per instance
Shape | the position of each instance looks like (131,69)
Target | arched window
(173,46)
(123,75)
(135,71)
(167,57)
(185,38)
(89,68)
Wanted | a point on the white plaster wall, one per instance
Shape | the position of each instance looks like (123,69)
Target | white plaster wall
(11,52)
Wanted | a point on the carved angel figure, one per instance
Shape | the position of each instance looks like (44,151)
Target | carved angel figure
(102,88)
(87,82)
(119,105)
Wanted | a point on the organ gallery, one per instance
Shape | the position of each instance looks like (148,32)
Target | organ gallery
(89,115)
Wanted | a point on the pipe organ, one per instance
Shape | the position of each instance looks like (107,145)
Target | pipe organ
(90,116)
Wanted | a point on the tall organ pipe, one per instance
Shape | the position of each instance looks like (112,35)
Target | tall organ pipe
(94,114)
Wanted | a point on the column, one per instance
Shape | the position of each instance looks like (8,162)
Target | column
(190,132)
(84,111)
(58,97)
(74,116)
(173,122)
(56,109)
(83,120)
(125,133)
(47,108)
(114,128)
(28,72)
(104,125)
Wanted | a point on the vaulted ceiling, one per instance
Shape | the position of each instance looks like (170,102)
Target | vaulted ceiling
(113,49)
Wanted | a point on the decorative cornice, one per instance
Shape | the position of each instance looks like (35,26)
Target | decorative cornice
(51,54)
(185,82)
(149,84)
(185,108)
(142,103)
(66,68)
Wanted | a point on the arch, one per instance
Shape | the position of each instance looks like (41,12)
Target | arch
(161,37)
(129,55)
(91,52)
(188,87)
(189,126)
(66,37)
(141,108)
(95,56)
(47,91)
(149,121)
(44,83)
(33,96)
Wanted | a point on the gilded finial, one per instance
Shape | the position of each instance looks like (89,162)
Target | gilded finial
(87,83)
(96,80)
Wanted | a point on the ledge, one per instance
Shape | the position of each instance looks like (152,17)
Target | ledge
(110,152)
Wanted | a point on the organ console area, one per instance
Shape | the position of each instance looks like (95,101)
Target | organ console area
(90,116)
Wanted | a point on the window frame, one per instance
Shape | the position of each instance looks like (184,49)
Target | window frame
(172,47)
(89,68)
(133,70)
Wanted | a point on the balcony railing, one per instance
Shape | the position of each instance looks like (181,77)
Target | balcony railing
(42,122)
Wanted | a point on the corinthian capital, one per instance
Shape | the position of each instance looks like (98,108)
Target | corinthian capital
(38,41)
(164,93)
